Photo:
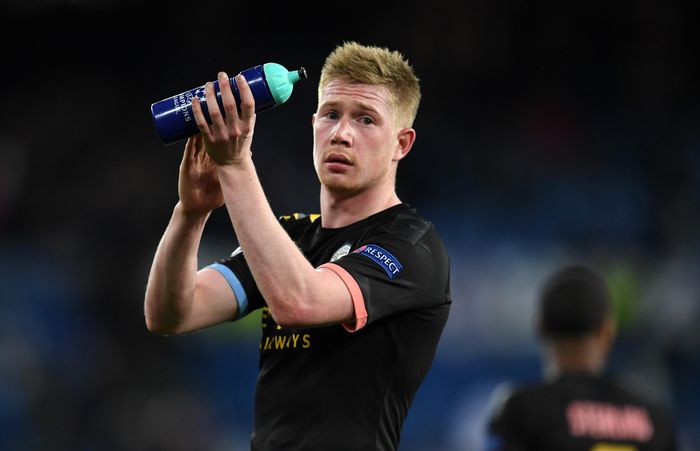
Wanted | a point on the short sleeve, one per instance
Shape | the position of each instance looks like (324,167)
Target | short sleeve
(404,268)
(239,277)
(237,273)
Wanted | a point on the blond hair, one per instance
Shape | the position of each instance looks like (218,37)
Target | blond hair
(376,66)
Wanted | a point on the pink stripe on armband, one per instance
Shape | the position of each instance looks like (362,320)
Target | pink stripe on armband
(358,301)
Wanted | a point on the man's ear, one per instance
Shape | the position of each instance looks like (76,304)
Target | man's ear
(313,119)
(405,139)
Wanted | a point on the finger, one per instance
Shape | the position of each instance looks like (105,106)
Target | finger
(198,146)
(206,161)
(189,153)
(227,98)
(217,121)
(203,159)
(247,99)
(199,117)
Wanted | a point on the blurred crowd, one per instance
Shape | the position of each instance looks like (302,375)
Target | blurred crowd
(548,133)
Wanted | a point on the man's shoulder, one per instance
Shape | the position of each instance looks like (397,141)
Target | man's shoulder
(630,395)
(531,391)
(408,224)
(508,395)
(405,213)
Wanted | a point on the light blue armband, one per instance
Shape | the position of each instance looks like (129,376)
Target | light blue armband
(236,287)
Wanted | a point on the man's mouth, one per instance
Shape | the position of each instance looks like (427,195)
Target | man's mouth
(338,158)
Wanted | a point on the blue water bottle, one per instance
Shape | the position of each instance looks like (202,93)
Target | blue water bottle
(270,83)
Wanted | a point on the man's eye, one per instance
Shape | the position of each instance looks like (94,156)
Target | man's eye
(367,120)
(332,115)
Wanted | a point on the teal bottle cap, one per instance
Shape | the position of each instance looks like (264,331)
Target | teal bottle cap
(281,81)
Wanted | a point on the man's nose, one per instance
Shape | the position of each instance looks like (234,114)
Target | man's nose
(342,133)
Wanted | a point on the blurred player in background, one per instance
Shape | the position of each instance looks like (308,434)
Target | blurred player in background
(576,408)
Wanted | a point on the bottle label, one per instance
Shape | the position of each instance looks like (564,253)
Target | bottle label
(183,102)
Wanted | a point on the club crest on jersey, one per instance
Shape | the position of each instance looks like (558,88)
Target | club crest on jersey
(382,257)
(341,252)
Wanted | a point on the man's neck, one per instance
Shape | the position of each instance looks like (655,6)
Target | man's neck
(580,357)
(338,210)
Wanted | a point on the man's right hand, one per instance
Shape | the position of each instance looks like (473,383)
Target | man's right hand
(198,184)
(179,298)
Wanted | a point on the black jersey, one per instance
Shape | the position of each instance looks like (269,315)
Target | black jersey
(579,412)
(349,386)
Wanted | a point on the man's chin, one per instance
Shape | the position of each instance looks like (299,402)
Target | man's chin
(338,187)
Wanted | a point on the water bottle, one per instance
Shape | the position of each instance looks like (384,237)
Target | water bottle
(270,83)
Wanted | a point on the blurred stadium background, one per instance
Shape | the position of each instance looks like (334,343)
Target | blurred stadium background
(549,132)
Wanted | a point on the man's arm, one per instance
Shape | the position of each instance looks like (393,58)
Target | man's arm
(178,298)
(296,294)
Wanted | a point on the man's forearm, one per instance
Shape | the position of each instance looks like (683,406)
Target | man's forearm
(293,289)
(173,276)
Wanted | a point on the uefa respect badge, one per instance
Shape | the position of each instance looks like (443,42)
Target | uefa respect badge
(382,257)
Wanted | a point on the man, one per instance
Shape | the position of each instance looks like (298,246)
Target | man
(576,408)
(354,301)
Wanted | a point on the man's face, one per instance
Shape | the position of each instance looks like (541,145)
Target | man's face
(356,143)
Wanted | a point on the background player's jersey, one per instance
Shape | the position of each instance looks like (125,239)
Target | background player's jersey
(327,388)
(579,413)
